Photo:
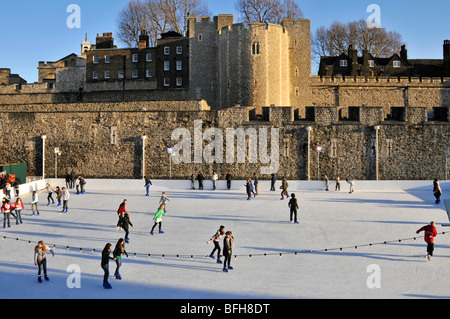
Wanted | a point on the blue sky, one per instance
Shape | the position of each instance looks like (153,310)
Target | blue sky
(37,30)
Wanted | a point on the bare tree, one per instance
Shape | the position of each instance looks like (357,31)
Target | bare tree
(336,39)
(268,11)
(131,20)
(156,17)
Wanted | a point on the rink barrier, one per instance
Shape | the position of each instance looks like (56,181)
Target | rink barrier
(192,256)
(294,185)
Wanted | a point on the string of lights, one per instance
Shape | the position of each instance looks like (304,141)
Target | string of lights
(192,256)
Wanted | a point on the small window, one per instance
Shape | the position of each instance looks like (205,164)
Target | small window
(371,63)
(200,37)
(120,74)
(343,63)
(135,58)
(114,135)
(179,49)
(149,73)
(286,145)
(179,81)
(95,75)
(134,73)
(107,74)
(179,65)
(166,65)
(397,64)
(95,59)
(255,48)
(149,57)
(166,81)
(166,50)
(107,59)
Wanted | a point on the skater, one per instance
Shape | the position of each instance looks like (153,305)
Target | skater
(158,219)
(352,185)
(293,205)
(338,184)
(216,239)
(82,183)
(228,178)
(255,177)
(273,179)
(200,179)
(18,207)
(105,265)
(248,188)
(126,223)
(58,195)
(327,182)
(119,250)
(49,194)
(437,191)
(214,178)
(40,259)
(121,211)
(77,185)
(284,187)
(34,203)
(147,185)
(430,233)
(192,181)
(228,244)
(6,210)
(163,201)
(65,199)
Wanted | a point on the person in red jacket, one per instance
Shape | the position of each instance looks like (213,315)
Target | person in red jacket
(121,211)
(430,233)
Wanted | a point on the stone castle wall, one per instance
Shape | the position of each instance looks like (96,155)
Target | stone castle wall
(104,141)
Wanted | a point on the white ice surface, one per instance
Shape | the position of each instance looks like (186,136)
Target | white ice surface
(328,220)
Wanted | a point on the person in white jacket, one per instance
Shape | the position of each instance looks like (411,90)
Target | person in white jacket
(34,203)
(214,178)
(65,198)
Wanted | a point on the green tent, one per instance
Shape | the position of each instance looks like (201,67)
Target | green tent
(20,170)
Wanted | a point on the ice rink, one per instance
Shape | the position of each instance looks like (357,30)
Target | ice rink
(272,258)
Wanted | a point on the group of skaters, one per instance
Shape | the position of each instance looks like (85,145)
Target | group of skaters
(124,223)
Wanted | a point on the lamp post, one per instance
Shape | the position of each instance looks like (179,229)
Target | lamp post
(308,129)
(318,149)
(57,153)
(446,151)
(169,150)
(376,127)
(43,137)
(143,137)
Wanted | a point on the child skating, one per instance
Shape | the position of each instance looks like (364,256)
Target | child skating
(126,223)
(40,259)
(34,203)
(119,250)
(293,206)
(429,233)
(105,265)
(228,244)
(216,239)
(158,219)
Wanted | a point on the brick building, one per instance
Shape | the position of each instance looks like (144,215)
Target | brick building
(164,66)
(350,64)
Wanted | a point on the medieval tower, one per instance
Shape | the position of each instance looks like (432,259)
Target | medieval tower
(249,64)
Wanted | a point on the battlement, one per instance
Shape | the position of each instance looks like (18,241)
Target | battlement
(354,115)
(361,80)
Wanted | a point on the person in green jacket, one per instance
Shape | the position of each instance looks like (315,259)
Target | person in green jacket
(158,219)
